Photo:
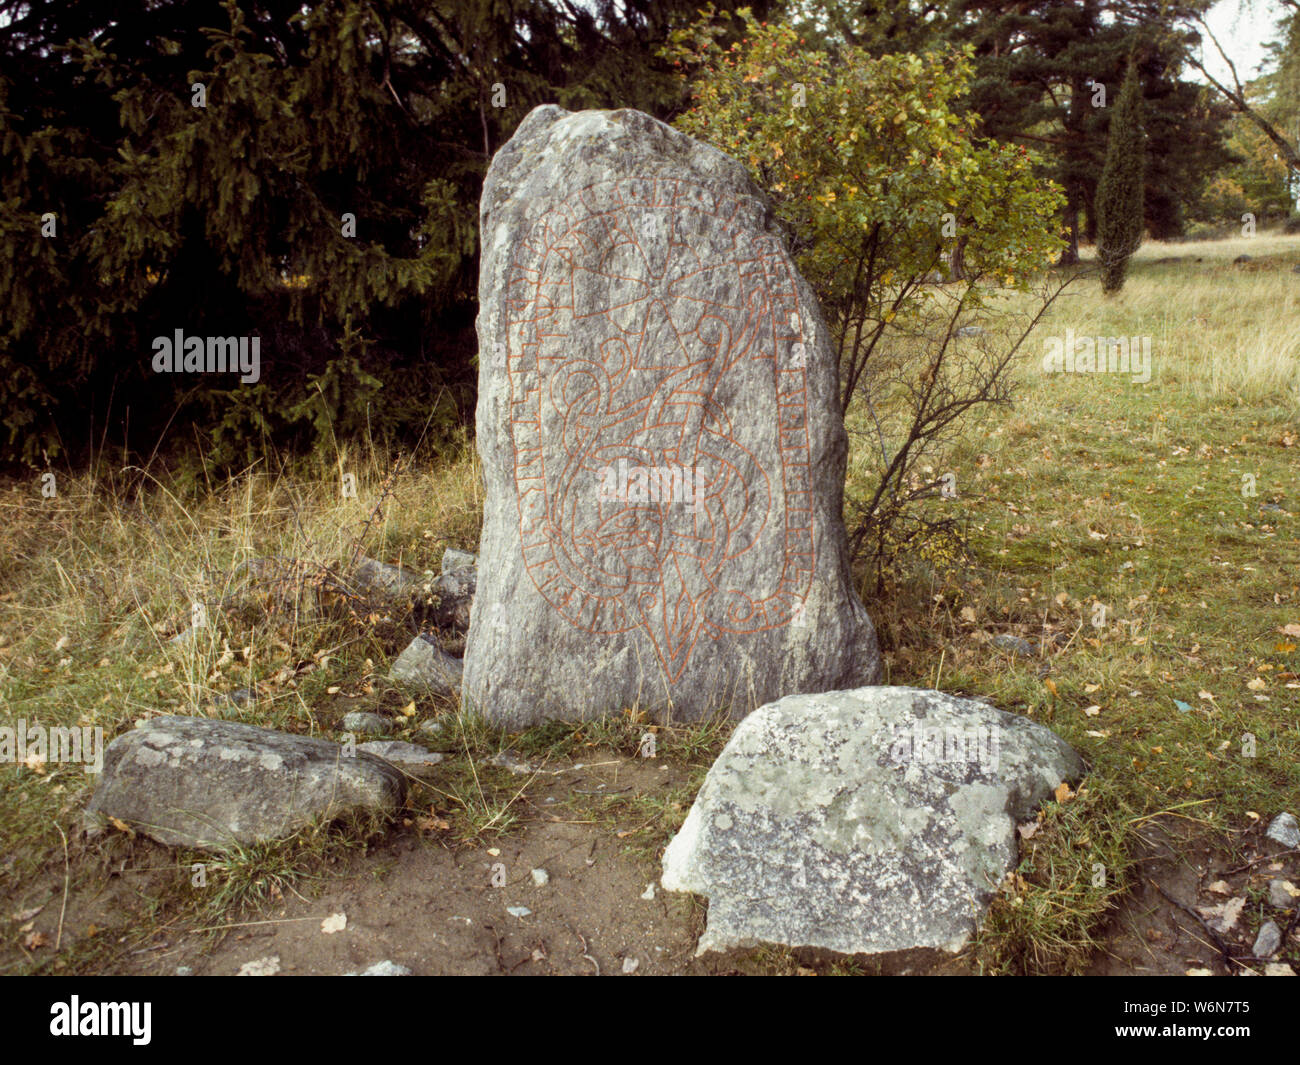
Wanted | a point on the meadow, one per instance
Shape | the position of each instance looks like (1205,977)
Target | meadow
(1142,539)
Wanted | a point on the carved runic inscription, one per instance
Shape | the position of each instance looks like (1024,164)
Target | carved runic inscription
(659,416)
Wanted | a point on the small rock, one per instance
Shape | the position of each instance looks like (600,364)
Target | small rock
(184,970)
(1282,894)
(1279,968)
(649,893)
(454,592)
(1296,269)
(1285,830)
(238,698)
(406,756)
(453,560)
(1268,940)
(261,967)
(188,635)
(366,724)
(383,968)
(509,760)
(1015,644)
(388,580)
(1241,259)
(426,665)
(518,911)
(631,965)
(541,877)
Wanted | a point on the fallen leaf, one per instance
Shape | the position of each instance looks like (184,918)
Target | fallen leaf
(1050,685)
(1256,684)
(968,614)
(35,940)
(335,922)
(1220,887)
(1091,711)
(268,966)
(1063,793)
(1290,630)
(1090,688)
(408,710)
(1223,916)
(1028,830)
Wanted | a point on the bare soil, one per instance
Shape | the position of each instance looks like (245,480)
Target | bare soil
(419,897)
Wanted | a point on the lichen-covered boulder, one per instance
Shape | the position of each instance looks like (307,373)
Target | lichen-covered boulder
(195,782)
(863,821)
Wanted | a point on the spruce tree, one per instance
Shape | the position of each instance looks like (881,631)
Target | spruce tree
(1119,192)
(320,193)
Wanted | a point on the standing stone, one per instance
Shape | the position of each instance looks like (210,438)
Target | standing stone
(661,438)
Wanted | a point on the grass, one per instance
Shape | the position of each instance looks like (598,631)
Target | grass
(1097,492)
(1092,492)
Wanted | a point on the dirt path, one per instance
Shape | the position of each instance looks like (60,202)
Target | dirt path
(423,900)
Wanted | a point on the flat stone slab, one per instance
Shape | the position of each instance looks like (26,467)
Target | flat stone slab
(662,445)
(1284,829)
(195,782)
(863,821)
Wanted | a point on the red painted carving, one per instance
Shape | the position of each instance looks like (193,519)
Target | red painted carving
(640,313)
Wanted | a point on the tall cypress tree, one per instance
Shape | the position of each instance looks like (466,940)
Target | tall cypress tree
(1119,193)
(1039,66)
